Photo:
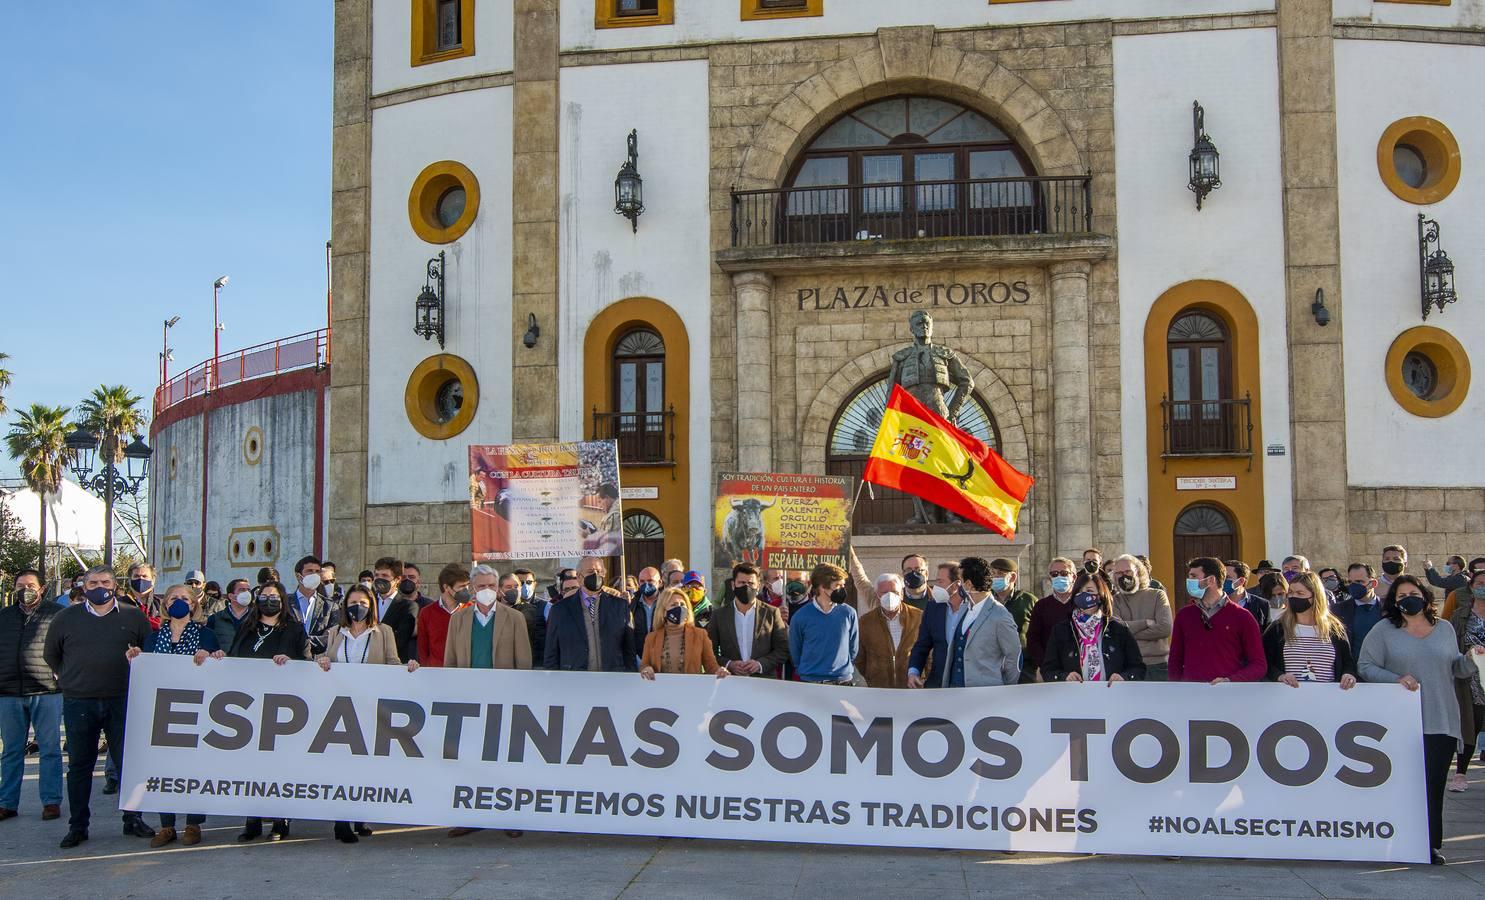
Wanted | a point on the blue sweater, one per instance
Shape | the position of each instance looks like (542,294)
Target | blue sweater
(821,645)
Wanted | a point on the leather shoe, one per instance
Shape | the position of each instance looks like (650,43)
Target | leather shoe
(1436,858)
(461,832)
(344,834)
(7,814)
(162,837)
(51,811)
(110,785)
(137,828)
(280,830)
(251,832)
(192,835)
(72,839)
(362,829)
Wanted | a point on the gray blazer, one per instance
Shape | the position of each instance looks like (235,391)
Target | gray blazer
(992,651)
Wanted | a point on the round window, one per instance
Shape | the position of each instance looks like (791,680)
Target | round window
(1411,167)
(451,206)
(443,202)
(1420,375)
(448,400)
(442,396)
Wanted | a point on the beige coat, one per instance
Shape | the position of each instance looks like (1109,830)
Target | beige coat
(511,644)
(382,650)
(1135,611)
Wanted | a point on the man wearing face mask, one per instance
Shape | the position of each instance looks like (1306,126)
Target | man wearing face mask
(917,590)
(1235,586)
(1213,640)
(749,635)
(590,628)
(310,607)
(642,607)
(140,592)
(412,573)
(693,585)
(1146,614)
(487,632)
(397,607)
(225,622)
(888,633)
(329,588)
(1362,608)
(29,698)
(824,634)
(526,584)
(87,646)
(1048,611)
(1004,574)
(936,638)
(670,573)
(433,622)
(1394,563)
(985,648)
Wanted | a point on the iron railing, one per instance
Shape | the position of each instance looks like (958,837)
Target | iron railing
(975,207)
(302,351)
(1207,427)
(644,438)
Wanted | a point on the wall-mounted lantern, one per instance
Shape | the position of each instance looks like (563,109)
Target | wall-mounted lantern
(629,192)
(1435,270)
(428,311)
(1206,167)
(533,331)
(1318,310)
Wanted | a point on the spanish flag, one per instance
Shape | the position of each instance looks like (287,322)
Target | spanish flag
(919,452)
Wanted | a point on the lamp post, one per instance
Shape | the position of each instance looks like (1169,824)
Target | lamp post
(109,483)
(216,330)
(165,349)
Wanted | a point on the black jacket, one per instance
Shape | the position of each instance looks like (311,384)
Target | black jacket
(933,637)
(567,635)
(1273,649)
(1121,653)
(287,639)
(402,618)
(1259,608)
(23,668)
(534,611)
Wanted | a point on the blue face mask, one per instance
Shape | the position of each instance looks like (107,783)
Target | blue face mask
(647,590)
(1061,583)
(1085,600)
(528,590)
(141,585)
(1411,605)
(1356,591)
(179,608)
(999,583)
(1229,586)
(1478,592)
(1194,588)
(99,596)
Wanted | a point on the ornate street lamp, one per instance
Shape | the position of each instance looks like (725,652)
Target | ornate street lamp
(629,187)
(1206,167)
(109,483)
(428,311)
(1435,270)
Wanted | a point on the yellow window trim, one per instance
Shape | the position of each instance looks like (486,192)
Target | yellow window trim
(606,15)
(424,20)
(754,10)
(1446,354)
(1440,151)
(419,400)
(428,187)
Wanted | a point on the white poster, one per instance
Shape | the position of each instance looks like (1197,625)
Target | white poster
(1255,770)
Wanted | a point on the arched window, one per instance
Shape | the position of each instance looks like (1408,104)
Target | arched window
(914,167)
(854,430)
(639,395)
(1202,530)
(1203,414)
(644,541)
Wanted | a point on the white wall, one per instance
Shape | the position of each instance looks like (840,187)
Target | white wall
(700,21)
(604,261)
(1458,14)
(1379,256)
(391,46)
(1236,238)
(474,128)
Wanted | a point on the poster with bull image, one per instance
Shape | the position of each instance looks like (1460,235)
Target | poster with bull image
(781,521)
(537,501)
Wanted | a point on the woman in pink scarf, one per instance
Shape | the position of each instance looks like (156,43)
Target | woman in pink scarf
(1092,646)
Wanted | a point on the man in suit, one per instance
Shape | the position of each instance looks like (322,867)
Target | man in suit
(590,629)
(642,607)
(748,634)
(396,605)
(935,634)
(984,646)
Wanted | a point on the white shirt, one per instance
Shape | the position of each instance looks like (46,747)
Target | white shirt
(381,606)
(353,649)
(743,621)
(894,626)
(100,613)
(971,613)
(484,617)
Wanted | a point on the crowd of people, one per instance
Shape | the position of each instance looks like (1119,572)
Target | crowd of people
(968,623)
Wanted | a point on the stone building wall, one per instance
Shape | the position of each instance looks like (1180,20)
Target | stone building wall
(1432,523)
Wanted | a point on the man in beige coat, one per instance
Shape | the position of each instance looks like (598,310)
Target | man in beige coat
(1146,612)
(510,644)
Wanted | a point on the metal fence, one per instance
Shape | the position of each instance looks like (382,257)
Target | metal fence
(302,351)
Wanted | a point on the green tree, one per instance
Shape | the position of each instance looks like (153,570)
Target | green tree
(4,382)
(38,443)
(17,551)
(112,413)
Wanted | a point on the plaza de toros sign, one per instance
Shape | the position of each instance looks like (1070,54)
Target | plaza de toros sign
(938,294)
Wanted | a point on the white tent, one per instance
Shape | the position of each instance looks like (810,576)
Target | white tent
(74,516)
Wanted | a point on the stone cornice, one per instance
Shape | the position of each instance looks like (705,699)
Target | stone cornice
(916,253)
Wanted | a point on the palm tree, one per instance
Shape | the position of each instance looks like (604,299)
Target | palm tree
(38,442)
(4,383)
(112,413)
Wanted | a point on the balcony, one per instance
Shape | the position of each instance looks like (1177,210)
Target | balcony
(644,438)
(1222,428)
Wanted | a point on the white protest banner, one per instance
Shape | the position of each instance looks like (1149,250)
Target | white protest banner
(1257,770)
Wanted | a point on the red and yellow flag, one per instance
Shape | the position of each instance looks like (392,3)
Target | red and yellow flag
(919,452)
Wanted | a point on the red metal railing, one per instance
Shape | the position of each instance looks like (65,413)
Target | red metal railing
(302,351)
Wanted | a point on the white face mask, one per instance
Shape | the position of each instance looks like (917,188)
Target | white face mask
(310,581)
(776,587)
(486,597)
(243,599)
(891,600)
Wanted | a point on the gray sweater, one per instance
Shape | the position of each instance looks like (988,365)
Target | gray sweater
(1390,652)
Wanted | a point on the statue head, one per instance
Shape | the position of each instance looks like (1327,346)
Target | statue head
(920,323)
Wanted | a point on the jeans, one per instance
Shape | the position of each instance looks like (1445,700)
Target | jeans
(1157,672)
(85,720)
(41,713)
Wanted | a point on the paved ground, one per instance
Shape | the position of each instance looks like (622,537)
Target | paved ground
(422,862)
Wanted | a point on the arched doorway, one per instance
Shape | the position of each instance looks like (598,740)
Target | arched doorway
(644,541)
(1203,417)
(1203,529)
(853,431)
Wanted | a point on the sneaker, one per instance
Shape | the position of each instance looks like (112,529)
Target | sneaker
(192,835)
(162,837)
(72,839)
(1457,783)
(279,831)
(51,811)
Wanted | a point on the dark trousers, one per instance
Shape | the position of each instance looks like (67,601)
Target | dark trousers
(85,719)
(1469,742)
(167,820)
(1438,752)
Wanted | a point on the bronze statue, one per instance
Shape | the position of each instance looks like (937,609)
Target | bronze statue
(927,370)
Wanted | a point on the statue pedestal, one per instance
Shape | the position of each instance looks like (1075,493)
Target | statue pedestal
(881,553)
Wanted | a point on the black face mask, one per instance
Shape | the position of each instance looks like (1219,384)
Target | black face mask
(510,597)
(1411,605)
(270,605)
(1127,583)
(675,615)
(407,587)
(1392,567)
(1299,605)
(462,596)
(1085,600)
(382,586)
(647,590)
(914,580)
(592,582)
(838,595)
(358,613)
(744,593)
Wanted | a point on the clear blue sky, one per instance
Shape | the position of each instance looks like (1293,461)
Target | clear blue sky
(146,148)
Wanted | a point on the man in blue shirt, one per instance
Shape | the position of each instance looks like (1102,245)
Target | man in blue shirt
(823,634)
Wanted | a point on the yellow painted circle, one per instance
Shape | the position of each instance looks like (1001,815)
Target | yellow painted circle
(1435,144)
(252,446)
(423,386)
(429,187)
(1449,360)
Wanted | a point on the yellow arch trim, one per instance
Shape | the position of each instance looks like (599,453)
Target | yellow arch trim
(1440,150)
(1447,355)
(422,201)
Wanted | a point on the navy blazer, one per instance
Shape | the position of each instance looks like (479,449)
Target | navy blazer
(567,635)
(933,635)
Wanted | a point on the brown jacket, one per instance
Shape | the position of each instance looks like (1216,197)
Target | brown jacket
(511,643)
(878,661)
(700,660)
(770,636)
(1467,724)
(382,649)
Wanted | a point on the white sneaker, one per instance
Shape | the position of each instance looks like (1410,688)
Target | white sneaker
(1457,783)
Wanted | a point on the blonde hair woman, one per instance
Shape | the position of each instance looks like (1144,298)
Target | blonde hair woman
(676,646)
(1307,642)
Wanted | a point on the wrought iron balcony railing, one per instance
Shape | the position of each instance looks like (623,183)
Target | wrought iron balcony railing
(1207,427)
(644,438)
